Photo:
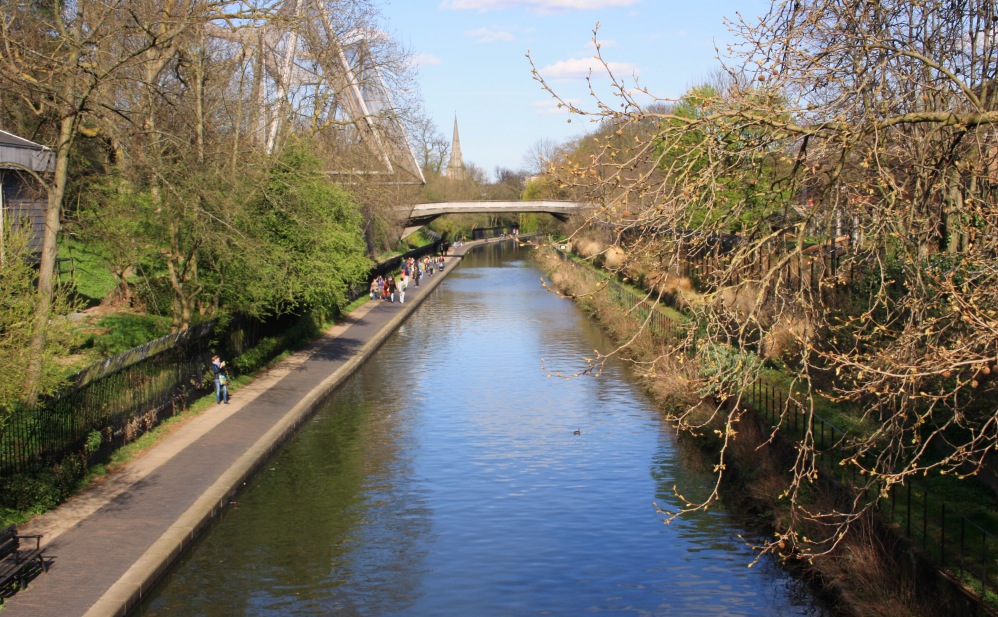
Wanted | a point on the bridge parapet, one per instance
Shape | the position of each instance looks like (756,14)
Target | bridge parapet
(422,214)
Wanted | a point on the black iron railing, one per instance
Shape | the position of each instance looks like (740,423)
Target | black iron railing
(114,401)
(954,541)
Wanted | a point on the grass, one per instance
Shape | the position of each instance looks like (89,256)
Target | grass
(971,497)
(356,304)
(97,337)
(961,547)
(168,426)
(841,416)
(93,280)
(637,292)
(120,332)
(966,550)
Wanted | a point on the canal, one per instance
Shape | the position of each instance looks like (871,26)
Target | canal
(453,474)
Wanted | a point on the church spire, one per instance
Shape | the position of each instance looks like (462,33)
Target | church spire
(455,168)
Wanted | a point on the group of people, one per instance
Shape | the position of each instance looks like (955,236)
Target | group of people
(383,287)
(413,269)
(386,287)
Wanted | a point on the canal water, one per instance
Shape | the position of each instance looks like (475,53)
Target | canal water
(457,474)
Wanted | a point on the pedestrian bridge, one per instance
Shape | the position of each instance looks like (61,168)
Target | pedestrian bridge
(421,214)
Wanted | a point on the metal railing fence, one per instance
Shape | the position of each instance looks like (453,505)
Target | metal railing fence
(112,402)
(953,540)
(106,397)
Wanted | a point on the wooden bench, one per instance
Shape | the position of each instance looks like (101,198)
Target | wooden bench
(17,563)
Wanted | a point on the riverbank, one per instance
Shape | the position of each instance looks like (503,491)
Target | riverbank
(456,459)
(109,545)
(871,571)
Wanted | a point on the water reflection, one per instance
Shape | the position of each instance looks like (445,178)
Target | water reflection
(447,478)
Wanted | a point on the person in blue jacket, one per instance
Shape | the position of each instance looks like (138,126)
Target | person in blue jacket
(221,380)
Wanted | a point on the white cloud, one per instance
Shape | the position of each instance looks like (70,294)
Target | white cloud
(545,6)
(491,34)
(424,60)
(580,68)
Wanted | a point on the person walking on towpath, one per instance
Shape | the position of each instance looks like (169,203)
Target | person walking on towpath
(221,380)
(402,284)
(392,288)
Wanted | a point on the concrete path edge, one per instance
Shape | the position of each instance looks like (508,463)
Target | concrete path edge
(136,582)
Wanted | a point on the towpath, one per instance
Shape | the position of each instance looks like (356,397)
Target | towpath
(110,544)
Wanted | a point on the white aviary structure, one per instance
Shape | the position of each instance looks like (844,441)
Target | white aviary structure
(311,72)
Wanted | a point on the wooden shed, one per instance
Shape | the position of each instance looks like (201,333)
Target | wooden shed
(22,199)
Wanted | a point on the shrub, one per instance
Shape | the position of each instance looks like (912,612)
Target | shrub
(29,492)
(723,368)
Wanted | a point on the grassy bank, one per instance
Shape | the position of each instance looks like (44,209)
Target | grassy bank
(872,570)
(50,488)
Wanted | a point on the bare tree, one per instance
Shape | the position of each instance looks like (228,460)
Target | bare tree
(838,186)
(544,154)
(62,61)
(432,147)
(193,98)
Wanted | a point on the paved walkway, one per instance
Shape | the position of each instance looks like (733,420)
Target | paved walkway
(110,544)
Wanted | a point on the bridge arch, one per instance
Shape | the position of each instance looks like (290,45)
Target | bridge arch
(420,215)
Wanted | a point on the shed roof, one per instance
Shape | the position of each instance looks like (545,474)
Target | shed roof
(17,152)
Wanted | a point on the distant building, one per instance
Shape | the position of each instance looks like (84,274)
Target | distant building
(455,168)
(22,200)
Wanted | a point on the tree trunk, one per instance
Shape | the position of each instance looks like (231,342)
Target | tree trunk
(46,272)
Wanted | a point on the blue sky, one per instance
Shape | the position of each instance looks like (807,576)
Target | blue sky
(471,57)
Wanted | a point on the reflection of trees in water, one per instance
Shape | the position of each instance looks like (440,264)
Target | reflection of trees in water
(357,502)
(340,522)
(292,538)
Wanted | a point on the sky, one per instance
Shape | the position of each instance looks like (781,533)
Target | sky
(471,59)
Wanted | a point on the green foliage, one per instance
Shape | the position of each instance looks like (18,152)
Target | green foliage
(529,223)
(257,357)
(256,244)
(17,307)
(123,331)
(44,490)
(114,222)
(304,330)
(723,369)
(541,188)
(415,241)
(92,278)
(94,441)
(693,146)
(452,226)
(308,238)
(701,135)
(155,296)
(30,492)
